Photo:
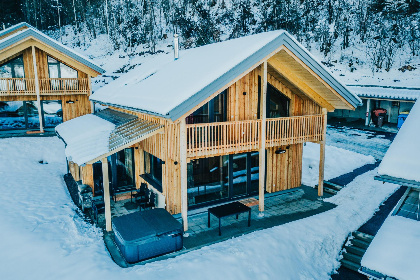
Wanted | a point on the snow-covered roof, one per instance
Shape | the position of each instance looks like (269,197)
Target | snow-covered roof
(91,136)
(402,158)
(378,92)
(171,88)
(27,31)
(395,250)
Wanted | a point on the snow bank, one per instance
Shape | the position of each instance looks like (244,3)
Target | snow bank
(86,137)
(337,162)
(44,237)
(402,158)
(395,250)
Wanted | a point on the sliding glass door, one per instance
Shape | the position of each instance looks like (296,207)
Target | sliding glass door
(222,178)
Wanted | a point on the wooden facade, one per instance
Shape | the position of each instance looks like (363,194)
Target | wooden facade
(246,129)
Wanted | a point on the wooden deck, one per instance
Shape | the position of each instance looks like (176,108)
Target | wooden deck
(49,86)
(221,138)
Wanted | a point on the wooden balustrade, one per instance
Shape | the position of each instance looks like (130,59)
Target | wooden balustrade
(17,86)
(47,86)
(221,138)
(211,139)
(53,86)
(294,130)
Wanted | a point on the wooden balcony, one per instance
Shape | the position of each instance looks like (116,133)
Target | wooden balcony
(50,86)
(213,139)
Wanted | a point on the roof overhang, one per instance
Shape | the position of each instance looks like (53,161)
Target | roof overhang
(92,137)
(398,181)
(25,37)
(340,96)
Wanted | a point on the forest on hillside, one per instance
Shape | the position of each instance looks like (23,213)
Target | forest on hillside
(387,28)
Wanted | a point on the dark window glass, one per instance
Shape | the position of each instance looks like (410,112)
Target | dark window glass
(208,180)
(255,172)
(153,170)
(53,113)
(57,69)
(278,103)
(125,168)
(212,111)
(239,174)
(12,69)
(12,115)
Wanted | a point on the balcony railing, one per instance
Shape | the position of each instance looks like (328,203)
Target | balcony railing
(222,138)
(50,86)
(294,130)
(212,139)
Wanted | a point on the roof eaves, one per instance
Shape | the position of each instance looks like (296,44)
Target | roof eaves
(283,39)
(13,28)
(128,108)
(319,69)
(398,181)
(45,39)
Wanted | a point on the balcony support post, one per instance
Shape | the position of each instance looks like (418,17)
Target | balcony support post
(184,171)
(263,111)
(107,199)
(322,153)
(37,91)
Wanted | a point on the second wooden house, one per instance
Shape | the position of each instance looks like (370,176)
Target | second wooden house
(221,122)
(42,82)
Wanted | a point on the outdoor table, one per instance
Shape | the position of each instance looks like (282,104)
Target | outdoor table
(229,209)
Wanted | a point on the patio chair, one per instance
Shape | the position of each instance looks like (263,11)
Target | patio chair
(152,201)
(139,193)
(142,201)
(98,207)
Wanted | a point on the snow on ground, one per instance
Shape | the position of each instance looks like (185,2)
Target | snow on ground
(44,237)
(337,162)
(395,250)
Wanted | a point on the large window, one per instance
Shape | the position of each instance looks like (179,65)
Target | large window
(212,111)
(153,170)
(57,69)
(12,69)
(222,178)
(277,103)
(208,180)
(24,114)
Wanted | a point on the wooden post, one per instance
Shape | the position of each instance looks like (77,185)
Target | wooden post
(37,90)
(107,199)
(322,153)
(92,104)
(263,110)
(184,171)
(367,112)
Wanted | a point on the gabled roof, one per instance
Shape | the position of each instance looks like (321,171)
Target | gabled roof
(22,31)
(380,92)
(91,137)
(401,161)
(171,88)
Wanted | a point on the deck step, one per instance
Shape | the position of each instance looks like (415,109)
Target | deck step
(350,265)
(363,236)
(355,250)
(352,257)
(330,191)
(333,186)
(360,243)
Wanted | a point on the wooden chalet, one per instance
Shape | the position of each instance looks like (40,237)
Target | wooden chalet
(224,121)
(42,82)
